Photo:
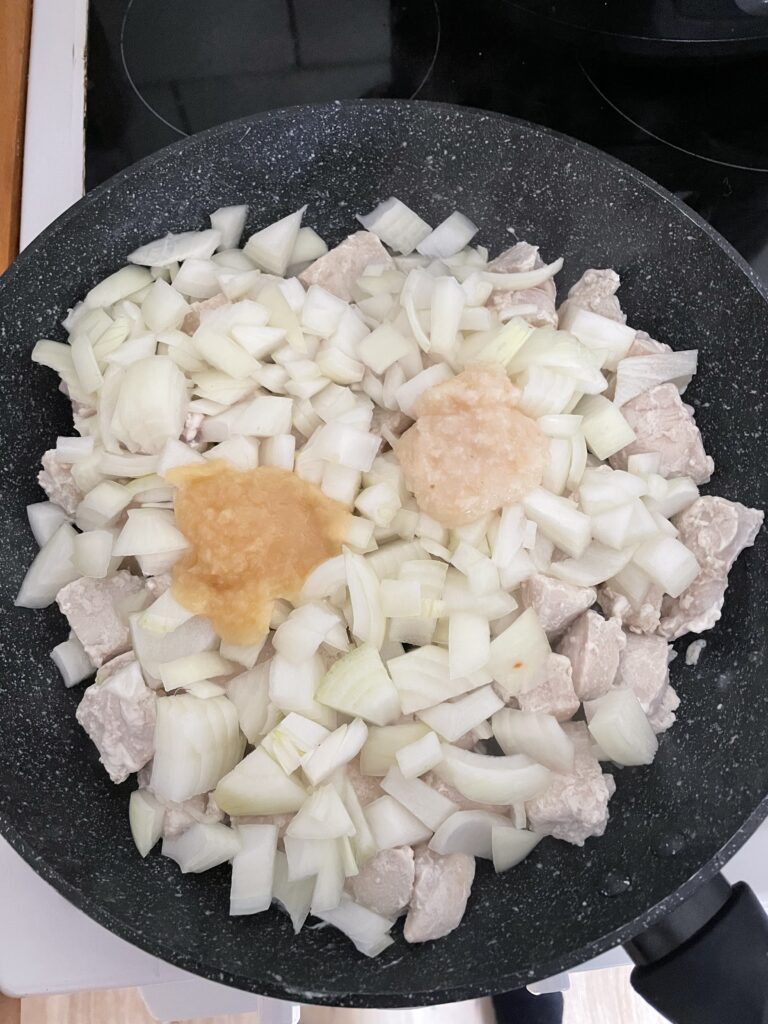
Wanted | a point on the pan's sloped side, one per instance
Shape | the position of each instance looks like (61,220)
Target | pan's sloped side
(681,282)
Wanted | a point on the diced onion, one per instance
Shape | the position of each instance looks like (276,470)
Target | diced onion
(229,221)
(258,785)
(45,517)
(172,249)
(619,725)
(468,832)
(420,756)
(358,684)
(559,520)
(538,735)
(449,237)
(519,653)
(605,429)
(454,719)
(393,825)
(492,780)
(202,847)
(52,568)
(668,563)
(145,815)
(510,846)
(253,868)
(396,225)
(72,662)
(271,248)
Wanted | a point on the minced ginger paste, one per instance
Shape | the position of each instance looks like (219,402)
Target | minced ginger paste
(254,536)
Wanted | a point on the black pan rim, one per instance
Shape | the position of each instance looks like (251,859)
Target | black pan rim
(122,928)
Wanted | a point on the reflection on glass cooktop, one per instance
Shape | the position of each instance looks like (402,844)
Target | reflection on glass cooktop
(161,69)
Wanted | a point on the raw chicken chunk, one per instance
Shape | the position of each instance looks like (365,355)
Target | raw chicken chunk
(663,716)
(643,667)
(644,345)
(441,889)
(716,531)
(384,883)
(593,645)
(663,423)
(338,270)
(97,610)
(56,480)
(596,291)
(119,716)
(109,668)
(555,694)
(644,619)
(471,451)
(192,320)
(536,305)
(157,585)
(556,604)
(575,805)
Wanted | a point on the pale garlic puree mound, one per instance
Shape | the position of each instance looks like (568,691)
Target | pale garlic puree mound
(377,553)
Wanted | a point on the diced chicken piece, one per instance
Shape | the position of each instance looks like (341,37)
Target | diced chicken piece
(664,424)
(97,611)
(119,716)
(157,585)
(109,668)
(643,667)
(338,270)
(56,480)
(644,619)
(367,787)
(644,345)
(663,715)
(190,432)
(440,892)
(536,305)
(596,291)
(471,451)
(179,817)
(593,646)
(282,821)
(575,805)
(556,604)
(554,694)
(716,531)
(385,882)
(192,320)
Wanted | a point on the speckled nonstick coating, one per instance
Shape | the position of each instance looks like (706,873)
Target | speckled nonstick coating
(672,824)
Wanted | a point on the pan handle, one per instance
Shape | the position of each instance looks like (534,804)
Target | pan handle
(706,962)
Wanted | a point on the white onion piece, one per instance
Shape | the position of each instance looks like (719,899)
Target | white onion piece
(519,653)
(559,520)
(85,365)
(196,743)
(204,689)
(422,678)
(149,532)
(193,667)
(339,748)
(383,347)
(151,404)
(425,803)
(322,816)
(45,517)
(329,883)
(229,221)
(524,279)
(544,391)
(117,286)
(249,692)
(611,339)
(596,564)
(619,726)
(152,647)
(72,662)
(641,373)
(309,246)
(202,847)
(668,563)
(679,494)
(346,445)
(164,308)
(253,869)
(468,832)
(173,249)
(145,816)
(368,932)
(400,598)
(358,684)
(306,857)
(52,568)
(380,749)
(603,489)
(449,237)
(510,846)
(446,309)
(294,897)
(363,846)
(292,739)
(561,425)
(292,688)
(368,622)
(73,449)
(408,394)
(396,225)
(625,525)
(453,720)
(258,785)
(93,553)
(605,429)
(299,637)
(420,756)
(538,735)
(322,312)
(492,780)
(392,825)
(271,248)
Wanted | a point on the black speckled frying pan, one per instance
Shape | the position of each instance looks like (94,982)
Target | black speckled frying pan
(672,824)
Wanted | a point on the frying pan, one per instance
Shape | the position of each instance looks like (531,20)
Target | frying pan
(674,823)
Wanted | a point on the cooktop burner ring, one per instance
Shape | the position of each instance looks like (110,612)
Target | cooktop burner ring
(411,68)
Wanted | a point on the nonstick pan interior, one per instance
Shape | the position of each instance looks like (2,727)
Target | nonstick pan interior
(672,823)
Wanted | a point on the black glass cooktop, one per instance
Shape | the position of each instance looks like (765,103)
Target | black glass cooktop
(674,87)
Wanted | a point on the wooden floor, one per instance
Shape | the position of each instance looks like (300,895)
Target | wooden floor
(595,997)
